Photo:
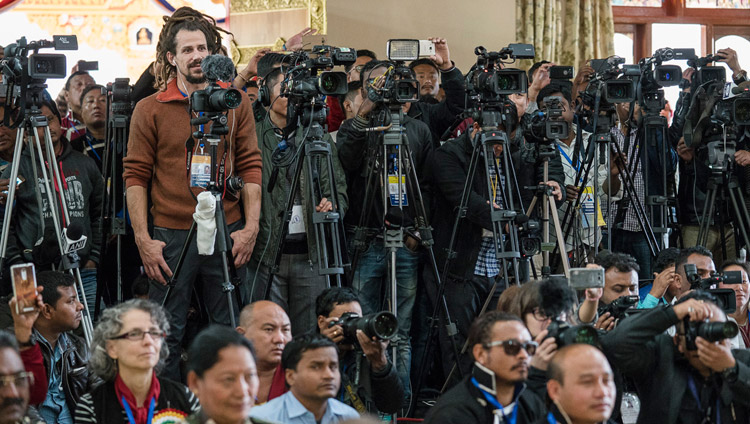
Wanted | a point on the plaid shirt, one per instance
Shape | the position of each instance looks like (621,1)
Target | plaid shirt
(487,264)
(631,220)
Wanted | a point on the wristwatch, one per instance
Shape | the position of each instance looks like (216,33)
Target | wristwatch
(730,374)
(739,77)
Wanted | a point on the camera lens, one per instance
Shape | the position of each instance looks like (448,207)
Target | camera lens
(329,84)
(382,325)
(43,67)
(225,99)
(717,331)
(506,82)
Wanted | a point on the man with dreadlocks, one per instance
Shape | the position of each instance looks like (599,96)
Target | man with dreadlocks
(157,155)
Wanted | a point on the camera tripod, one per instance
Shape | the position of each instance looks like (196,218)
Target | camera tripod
(115,206)
(503,219)
(391,162)
(222,237)
(544,192)
(32,121)
(328,226)
(723,183)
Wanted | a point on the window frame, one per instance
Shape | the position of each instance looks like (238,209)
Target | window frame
(715,23)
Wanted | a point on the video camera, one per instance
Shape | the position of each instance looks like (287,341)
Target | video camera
(726,297)
(381,325)
(618,308)
(490,84)
(24,74)
(120,94)
(613,81)
(547,124)
(566,334)
(309,75)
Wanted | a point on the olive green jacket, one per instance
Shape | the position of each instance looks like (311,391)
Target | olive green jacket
(273,204)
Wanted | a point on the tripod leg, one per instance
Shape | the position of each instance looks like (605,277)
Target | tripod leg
(180,263)
(741,218)
(558,233)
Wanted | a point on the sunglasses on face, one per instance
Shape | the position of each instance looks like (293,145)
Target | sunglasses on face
(513,347)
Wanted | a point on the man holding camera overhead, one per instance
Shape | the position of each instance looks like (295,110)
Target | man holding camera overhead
(157,149)
(693,377)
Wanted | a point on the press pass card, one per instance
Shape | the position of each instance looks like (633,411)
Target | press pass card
(200,171)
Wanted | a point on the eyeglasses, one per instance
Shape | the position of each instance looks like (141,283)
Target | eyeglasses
(357,69)
(513,347)
(539,315)
(138,335)
(21,379)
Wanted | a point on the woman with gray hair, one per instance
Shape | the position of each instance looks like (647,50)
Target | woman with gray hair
(126,350)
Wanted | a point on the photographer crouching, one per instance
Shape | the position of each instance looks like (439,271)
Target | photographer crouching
(693,377)
(368,380)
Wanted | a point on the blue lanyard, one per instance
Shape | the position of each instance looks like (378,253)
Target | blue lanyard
(493,401)
(694,391)
(130,413)
(565,155)
(92,148)
(551,418)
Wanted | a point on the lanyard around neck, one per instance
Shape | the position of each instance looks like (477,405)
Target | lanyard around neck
(129,412)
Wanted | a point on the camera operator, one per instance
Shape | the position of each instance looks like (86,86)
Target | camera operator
(585,226)
(664,277)
(428,76)
(685,378)
(581,386)
(704,263)
(94,118)
(620,285)
(495,390)
(298,280)
(266,64)
(539,78)
(627,234)
(742,297)
(156,156)
(370,385)
(336,112)
(440,116)
(83,189)
(370,275)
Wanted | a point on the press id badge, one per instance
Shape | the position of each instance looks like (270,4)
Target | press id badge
(297,223)
(200,171)
(587,209)
(393,190)
(629,408)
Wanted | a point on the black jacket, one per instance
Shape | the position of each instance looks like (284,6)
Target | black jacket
(83,186)
(464,404)
(641,350)
(440,116)
(356,147)
(449,170)
(75,377)
(382,390)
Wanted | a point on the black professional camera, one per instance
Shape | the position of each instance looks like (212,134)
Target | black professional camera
(528,236)
(566,334)
(308,75)
(24,74)
(382,325)
(489,83)
(725,297)
(399,86)
(710,331)
(612,82)
(619,306)
(215,99)
(120,95)
(547,124)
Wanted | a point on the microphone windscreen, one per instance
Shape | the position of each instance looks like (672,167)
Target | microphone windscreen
(217,67)
(74,231)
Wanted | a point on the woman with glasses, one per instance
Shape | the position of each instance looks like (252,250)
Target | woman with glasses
(128,346)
